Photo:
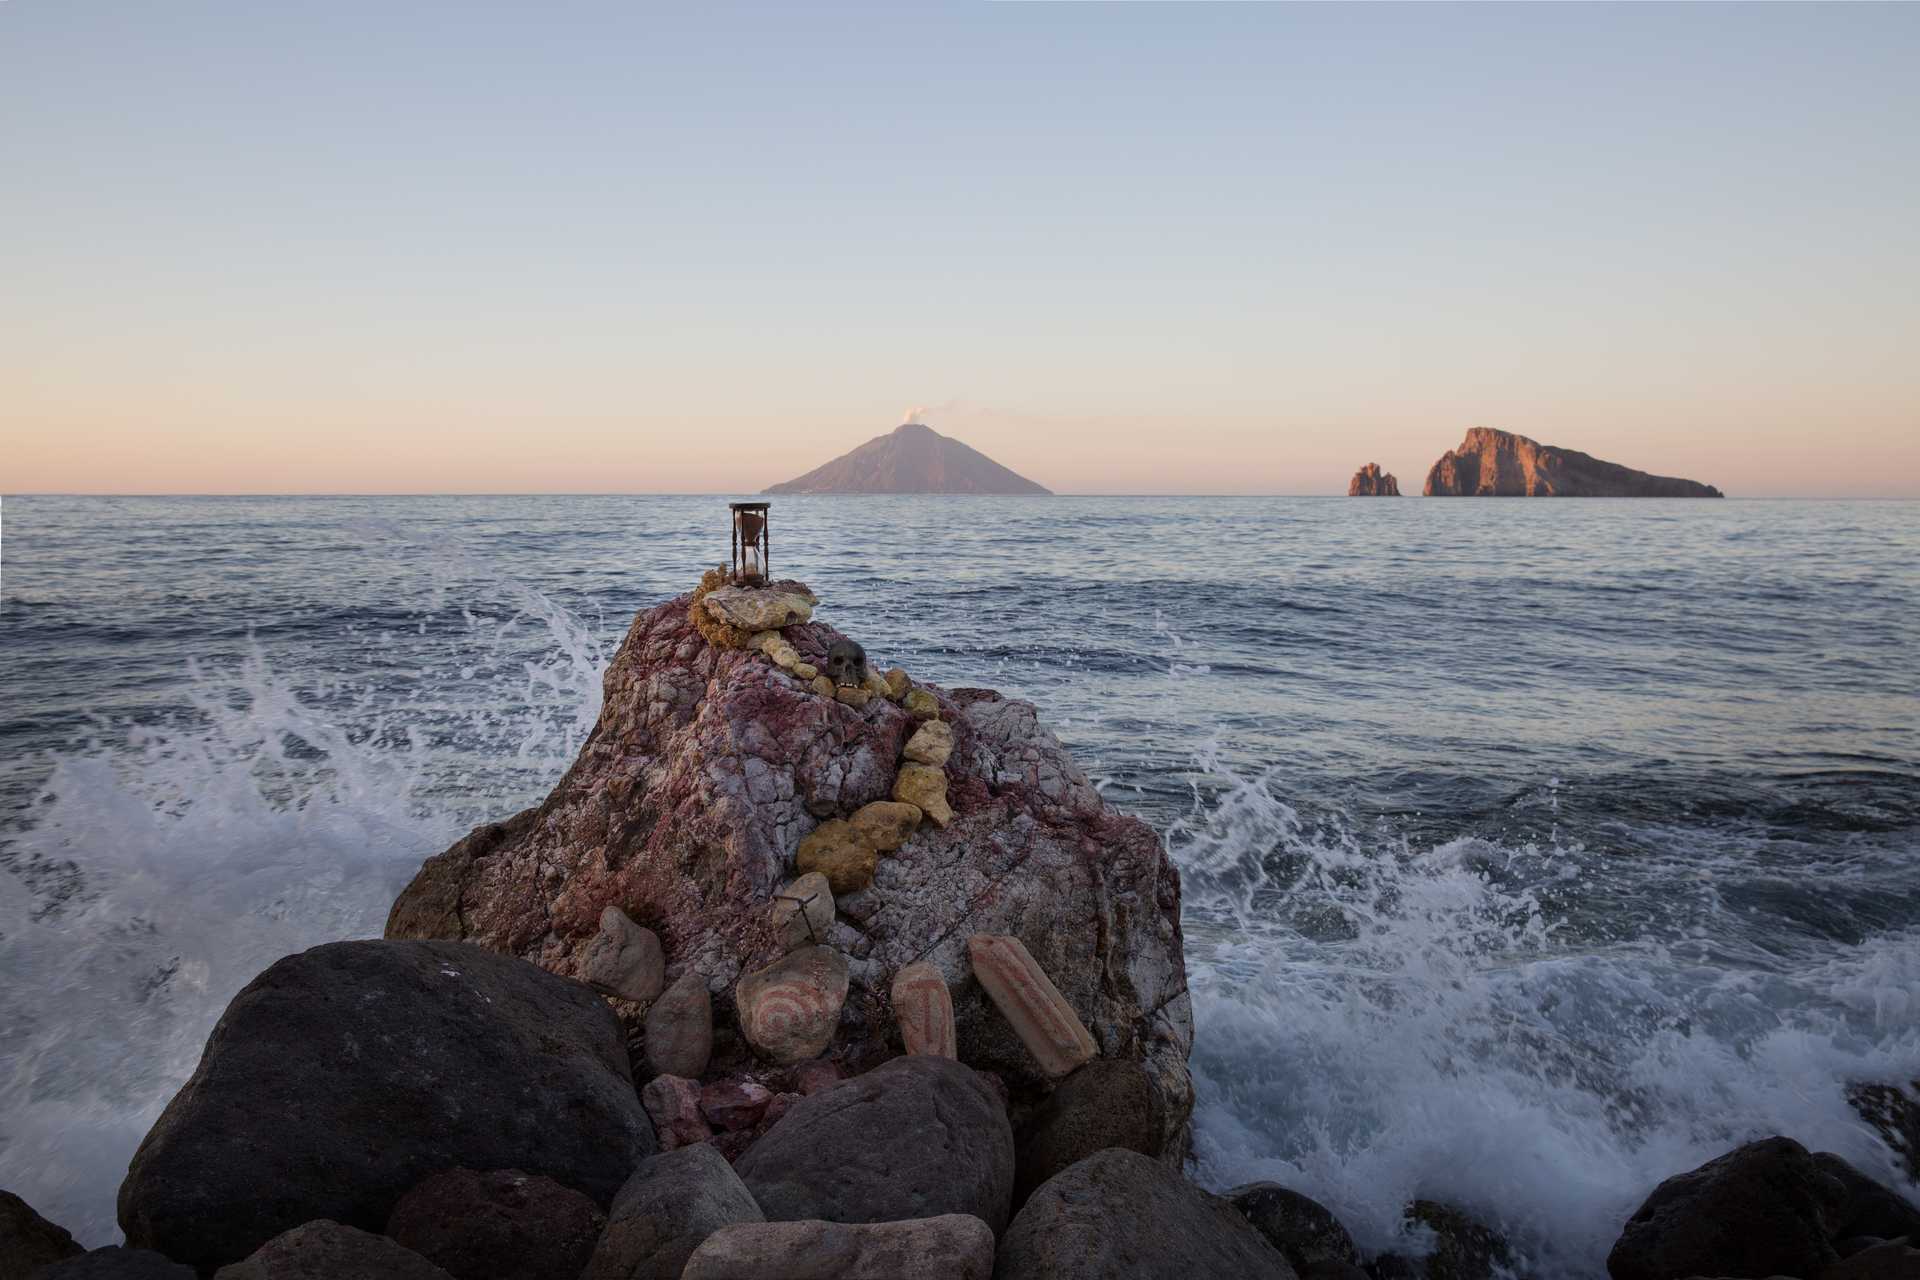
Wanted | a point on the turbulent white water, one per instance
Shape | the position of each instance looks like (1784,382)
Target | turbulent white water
(1529,948)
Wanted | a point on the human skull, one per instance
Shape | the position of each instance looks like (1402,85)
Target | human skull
(847,663)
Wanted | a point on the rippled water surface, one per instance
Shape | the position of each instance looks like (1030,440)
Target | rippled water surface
(1532,850)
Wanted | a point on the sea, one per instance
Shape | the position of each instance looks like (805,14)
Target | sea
(1532,851)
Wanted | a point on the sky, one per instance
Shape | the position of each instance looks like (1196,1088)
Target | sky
(1172,248)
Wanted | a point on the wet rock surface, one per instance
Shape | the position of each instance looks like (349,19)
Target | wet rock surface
(952,1247)
(344,1075)
(1301,1228)
(917,1137)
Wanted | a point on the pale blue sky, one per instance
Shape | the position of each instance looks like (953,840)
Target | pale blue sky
(555,246)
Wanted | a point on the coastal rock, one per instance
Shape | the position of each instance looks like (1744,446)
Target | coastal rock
(391,1059)
(788,1010)
(1031,1004)
(954,1246)
(852,696)
(823,686)
(912,458)
(1302,1229)
(113,1263)
(1461,1248)
(673,1103)
(325,1250)
(1109,1102)
(803,910)
(498,1225)
(28,1240)
(672,1202)
(1499,464)
(898,683)
(836,850)
(679,1028)
(1894,1112)
(1370,482)
(734,1104)
(1866,1207)
(886,824)
(920,704)
(624,959)
(707,768)
(1889,1260)
(755,609)
(1119,1215)
(926,789)
(1767,1208)
(924,1008)
(931,744)
(916,1137)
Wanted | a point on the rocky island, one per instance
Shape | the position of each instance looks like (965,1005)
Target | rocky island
(1370,482)
(804,971)
(912,458)
(1499,464)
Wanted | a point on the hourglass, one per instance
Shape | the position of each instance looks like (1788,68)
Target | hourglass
(749,543)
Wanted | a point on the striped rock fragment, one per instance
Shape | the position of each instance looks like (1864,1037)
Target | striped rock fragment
(679,1028)
(924,1008)
(803,911)
(921,785)
(789,1009)
(624,959)
(931,744)
(886,824)
(1039,1014)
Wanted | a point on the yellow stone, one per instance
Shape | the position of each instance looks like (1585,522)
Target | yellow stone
(925,786)
(886,824)
(853,697)
(822,686)
(931,743)
(839,853)
(921,705)
(898,683)
(805,670)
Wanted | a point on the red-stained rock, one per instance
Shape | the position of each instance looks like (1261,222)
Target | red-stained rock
(734,1104)
(1371,482)
(811,1077)
(1499,464)
(924,1008)
(673,1104)
(1031,1004)
(709,766)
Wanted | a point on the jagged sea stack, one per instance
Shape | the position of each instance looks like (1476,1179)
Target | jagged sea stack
(1371,482)
(1499,464)
(713,761)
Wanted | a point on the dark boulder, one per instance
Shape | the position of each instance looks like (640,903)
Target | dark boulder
(1109,1102)
(1888,1260)
(1462,1248)
(916,1137)
(342,1077)
(1869,1209)
(115,1263)
(1119,1215)
(1301,1228)
(498,1225)
(1768,1208)
(1895,1113)
(329,1251)
(29,1241)
(672,1203)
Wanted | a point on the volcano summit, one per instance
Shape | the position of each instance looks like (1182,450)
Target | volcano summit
(912,458)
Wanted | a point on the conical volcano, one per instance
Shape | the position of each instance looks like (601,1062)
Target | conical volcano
(912,458)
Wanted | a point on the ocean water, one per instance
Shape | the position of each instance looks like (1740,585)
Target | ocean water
(1533,851)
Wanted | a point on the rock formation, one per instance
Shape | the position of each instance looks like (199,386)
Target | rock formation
(709,768)
(1499,464)
(911,458)
(1371,482)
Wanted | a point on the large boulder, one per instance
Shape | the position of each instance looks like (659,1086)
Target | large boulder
(672,1202)
(1300,1227)
(1109,1102)
(28,1241)
(1119,1215)
(1768,1208)
(500,1224)
(708,767)
(952,1247)
(345,1075)
(115,1263)
(331,1251)
(916,1137)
